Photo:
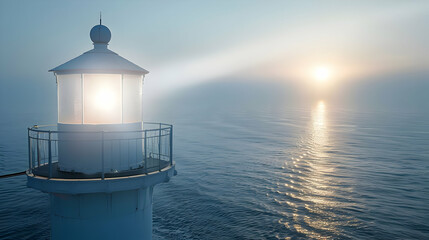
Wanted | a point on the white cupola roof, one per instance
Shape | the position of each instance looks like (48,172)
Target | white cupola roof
(100,59)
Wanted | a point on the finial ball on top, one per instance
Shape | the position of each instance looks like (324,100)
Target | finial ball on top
(100,34)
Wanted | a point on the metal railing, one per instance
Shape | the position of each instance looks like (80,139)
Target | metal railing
(118,153)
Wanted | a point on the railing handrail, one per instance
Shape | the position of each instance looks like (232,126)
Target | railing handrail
(109,139)
(36,128)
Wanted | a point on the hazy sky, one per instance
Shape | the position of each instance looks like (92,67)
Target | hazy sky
(188,42)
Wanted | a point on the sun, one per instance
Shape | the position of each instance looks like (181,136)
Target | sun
(322,74)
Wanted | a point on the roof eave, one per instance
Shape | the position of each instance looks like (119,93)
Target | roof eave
(99,71)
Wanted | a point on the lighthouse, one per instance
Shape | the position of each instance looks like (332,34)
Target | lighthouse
(99,163)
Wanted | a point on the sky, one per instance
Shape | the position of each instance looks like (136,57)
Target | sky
(188,43)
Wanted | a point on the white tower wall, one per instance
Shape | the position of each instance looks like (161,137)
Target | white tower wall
(80,149)
(117,215)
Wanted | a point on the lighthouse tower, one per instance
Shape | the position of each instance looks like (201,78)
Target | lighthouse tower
(100,162)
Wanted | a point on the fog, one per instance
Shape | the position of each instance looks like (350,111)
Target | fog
(241,51)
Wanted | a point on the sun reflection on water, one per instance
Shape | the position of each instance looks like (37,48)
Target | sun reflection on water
(319,132)
(310,194)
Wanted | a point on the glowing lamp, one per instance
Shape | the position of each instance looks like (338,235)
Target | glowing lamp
(97,91)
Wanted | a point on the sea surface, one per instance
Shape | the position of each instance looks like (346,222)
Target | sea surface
(251,167)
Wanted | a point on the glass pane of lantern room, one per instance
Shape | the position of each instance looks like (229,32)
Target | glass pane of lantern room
(132,90)
(69,98)
(102,98)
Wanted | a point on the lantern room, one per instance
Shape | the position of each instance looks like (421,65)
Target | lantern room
(98,91)
(99,86)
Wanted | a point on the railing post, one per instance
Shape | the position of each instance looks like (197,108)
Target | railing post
(29,152)
(50,155)
(38,150)
(171,145)
(159,148)
(145,151)
(102,155)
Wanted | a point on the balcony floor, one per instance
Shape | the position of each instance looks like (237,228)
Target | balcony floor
(153,165)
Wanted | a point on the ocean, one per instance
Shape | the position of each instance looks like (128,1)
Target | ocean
(257,165)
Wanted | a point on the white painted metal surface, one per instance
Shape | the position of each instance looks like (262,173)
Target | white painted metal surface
(81,152)
(116,215)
